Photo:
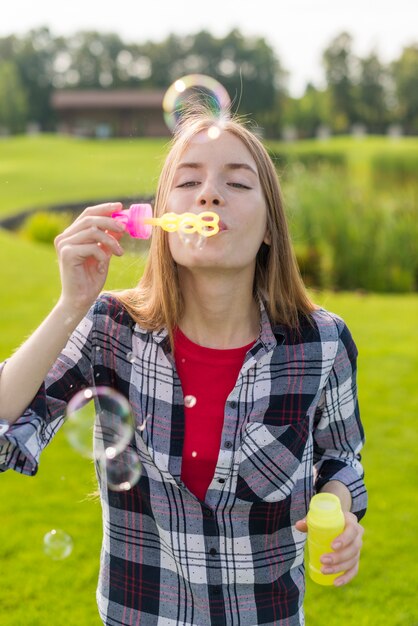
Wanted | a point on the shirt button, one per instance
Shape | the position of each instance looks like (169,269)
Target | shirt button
(228,444)
(208,512)
(213,551)
(233,404)
(221,480)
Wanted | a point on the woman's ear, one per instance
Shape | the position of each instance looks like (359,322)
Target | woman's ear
(267,238)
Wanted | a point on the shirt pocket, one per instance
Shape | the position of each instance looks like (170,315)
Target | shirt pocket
(270,462)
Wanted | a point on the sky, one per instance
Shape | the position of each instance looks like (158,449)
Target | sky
(298,30)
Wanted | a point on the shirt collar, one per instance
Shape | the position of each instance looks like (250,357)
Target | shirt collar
(270,336)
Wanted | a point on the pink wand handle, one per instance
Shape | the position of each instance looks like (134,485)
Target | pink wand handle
(133,219)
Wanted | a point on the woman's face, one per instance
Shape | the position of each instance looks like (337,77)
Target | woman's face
(219,175)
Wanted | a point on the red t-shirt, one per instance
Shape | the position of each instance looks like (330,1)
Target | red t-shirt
(207,377)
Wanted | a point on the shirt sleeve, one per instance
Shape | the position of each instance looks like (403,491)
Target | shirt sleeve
(338,431)
(23,442)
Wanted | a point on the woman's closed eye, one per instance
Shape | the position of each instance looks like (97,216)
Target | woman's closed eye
(188,183)
(239,185)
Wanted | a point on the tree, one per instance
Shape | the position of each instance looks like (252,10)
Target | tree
(371,96)
(308,113)
(405,77)
(13,101)
(34,59)
(339,63)
(247,68)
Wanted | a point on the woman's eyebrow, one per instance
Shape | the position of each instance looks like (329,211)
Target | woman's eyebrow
(228,166)
(192,165)
(239,166)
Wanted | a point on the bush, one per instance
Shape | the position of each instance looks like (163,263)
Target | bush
(44,226)
(283,160)
(348,239)
(395,169)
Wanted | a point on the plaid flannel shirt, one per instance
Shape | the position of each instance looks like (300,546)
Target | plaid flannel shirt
(291,424)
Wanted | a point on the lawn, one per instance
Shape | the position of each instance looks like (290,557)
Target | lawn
(37,591)
(41,171)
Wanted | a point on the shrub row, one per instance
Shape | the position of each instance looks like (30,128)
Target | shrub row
(395,169)
(348,238)
(284,160)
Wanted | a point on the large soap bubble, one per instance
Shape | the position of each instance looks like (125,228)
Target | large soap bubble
(121,471)
(200,88)
(99,422)
(57,544)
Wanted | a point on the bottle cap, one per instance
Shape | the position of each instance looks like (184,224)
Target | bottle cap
(324,510)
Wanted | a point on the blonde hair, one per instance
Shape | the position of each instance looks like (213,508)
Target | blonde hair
(157,302)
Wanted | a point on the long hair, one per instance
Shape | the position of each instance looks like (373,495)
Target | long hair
(156,302)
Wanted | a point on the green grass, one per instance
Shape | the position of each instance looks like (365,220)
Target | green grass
(41,171)
(37,591)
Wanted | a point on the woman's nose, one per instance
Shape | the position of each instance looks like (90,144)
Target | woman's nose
(209,198)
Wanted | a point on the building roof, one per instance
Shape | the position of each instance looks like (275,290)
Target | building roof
(106,98)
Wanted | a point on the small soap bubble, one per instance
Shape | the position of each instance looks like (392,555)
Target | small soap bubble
(122,471)
(196,87)
(142,427)
(194,454)
(4,427)
(200,242)
(189,401)
(58,544)
(185,238)
(99,419)
(192,240)
(131,357)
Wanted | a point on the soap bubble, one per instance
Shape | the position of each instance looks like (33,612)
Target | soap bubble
(142,426)
(131,357)
(198,87)
(57,544)
(98,419)
(189,401)
(121,471)
(193,240)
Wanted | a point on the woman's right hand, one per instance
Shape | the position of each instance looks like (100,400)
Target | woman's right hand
(84,251)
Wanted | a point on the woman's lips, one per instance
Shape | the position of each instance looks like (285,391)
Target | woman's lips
(222,226)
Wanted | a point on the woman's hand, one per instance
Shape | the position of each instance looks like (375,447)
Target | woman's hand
(84,251)
(347,546)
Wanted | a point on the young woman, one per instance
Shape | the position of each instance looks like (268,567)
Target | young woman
(214,531)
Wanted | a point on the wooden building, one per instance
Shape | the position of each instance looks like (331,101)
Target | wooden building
(110,113)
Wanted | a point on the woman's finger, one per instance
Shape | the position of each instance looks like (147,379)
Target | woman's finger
(347,576)
(79,254)
(105,208)
(302,526)
(86,222)
(349,534)
(340,566)
(91,235)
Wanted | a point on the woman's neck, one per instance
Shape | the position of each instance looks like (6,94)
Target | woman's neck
(220,311)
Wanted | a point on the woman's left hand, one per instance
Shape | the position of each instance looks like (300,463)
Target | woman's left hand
(347,547)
